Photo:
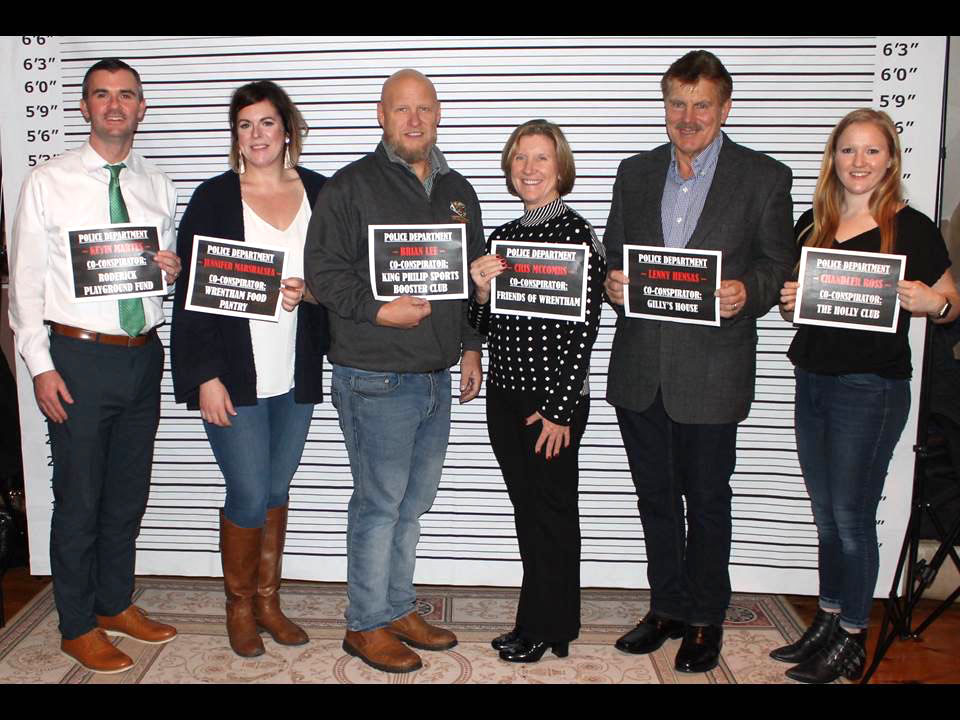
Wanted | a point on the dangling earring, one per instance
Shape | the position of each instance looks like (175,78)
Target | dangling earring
(241,168)
(286,155)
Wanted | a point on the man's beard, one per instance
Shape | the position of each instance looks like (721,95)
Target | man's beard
(411,156)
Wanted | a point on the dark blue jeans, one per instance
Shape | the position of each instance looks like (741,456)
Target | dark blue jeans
(259,454)
(847,427)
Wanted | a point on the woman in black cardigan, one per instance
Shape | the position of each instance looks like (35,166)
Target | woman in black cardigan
(256,422)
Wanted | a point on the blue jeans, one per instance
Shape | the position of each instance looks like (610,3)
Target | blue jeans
(847,427)
(258,455)
(395,426)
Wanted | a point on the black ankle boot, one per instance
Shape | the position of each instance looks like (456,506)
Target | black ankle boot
(845,654)
(530,651)
(507,640)
(814,639)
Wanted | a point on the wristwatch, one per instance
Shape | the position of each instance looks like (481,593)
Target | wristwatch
(944,311)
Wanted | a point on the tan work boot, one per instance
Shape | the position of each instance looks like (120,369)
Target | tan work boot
(416,631)
(95,652)
(266,603)
(240,555)
(380,649)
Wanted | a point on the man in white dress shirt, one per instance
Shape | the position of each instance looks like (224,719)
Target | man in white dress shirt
(96,366)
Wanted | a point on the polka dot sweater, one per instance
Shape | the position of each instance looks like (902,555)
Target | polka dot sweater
(543,358)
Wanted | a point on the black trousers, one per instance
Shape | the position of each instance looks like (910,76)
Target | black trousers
(687,563)
(547,515)
(102,458)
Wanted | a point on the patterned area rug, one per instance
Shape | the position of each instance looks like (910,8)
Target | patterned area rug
(755,624)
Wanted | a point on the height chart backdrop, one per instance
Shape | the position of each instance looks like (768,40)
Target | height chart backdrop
(788,94)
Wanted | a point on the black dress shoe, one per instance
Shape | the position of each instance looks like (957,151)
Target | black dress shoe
(814,639)
(530,651)
(845,655)
(700,649)
(507,640)
(650,634)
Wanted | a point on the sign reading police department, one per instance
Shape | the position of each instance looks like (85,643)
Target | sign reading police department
(672,284)
(542,280)
(235,278)
(115,261)
(427,261)
(853,290)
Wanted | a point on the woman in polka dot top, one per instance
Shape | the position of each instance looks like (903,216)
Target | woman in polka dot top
(538,395)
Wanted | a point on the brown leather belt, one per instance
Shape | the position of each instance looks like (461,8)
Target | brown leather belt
(122,340)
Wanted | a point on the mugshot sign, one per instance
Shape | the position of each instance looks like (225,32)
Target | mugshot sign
(428,261)
(672,284)
(115,261)
(235,278)
(542,280)
(853,290)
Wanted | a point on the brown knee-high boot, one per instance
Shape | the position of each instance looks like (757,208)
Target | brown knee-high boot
(266,603)
(240,554)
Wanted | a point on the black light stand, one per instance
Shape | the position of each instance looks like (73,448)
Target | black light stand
(898,612)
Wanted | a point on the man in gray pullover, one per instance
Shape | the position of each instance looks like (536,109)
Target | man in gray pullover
(391,360)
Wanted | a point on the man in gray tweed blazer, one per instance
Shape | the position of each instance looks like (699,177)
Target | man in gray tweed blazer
(680,389)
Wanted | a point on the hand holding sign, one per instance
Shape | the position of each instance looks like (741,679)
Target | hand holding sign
(614,285)
(169,263)
(291,293)
(788,298)
(733,296)
(919,298)
(483,270)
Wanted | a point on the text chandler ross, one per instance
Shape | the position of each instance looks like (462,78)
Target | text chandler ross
(541,280)
(425,261)
(230,278)
(115,262)
(856,290)
(676,285)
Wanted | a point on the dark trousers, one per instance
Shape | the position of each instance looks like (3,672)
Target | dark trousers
(670,462)
(547,515)
(101,475)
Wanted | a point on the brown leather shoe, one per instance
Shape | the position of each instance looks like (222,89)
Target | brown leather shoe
(266,603)
(134,623)
(416,631)
(240,555)
(380,649)
(96,653)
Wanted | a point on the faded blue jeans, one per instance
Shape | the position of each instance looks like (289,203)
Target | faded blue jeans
(259,454)
(847,427)
(395,426)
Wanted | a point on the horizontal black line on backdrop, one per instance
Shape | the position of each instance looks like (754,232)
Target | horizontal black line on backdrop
(566,100)
(467,48)
(572,76)
(445,126)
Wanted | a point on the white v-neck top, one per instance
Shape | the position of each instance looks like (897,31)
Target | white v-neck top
(275,343)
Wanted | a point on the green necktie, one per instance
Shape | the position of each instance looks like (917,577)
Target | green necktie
(132,319)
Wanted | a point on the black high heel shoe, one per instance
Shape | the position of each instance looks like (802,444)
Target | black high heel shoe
(507,641)
(530,651)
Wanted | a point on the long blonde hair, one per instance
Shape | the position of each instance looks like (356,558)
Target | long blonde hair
(885,200)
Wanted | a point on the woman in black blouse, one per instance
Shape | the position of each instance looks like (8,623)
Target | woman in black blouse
(853,386)
(538,397)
